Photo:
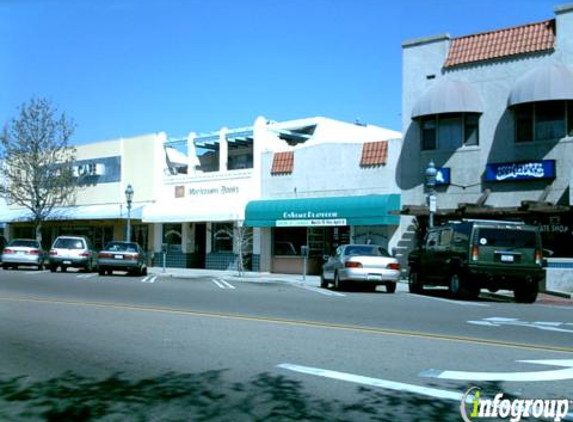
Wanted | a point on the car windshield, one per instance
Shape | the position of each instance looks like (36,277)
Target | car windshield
(366,250)
(69,244)
(507,238)
(121,247)
(24,243)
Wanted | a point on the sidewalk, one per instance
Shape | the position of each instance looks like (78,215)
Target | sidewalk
(557,298)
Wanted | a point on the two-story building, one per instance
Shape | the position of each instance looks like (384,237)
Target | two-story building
(494,113)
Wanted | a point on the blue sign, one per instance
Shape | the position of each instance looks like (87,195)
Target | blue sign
(443,177)
(524,170)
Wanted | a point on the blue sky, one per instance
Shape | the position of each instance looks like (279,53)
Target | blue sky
(126,67)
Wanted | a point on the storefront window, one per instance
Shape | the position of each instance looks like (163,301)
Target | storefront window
(288,241)
(222,237)
(172,237)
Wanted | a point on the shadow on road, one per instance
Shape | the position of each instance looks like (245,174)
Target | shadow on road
(202,397)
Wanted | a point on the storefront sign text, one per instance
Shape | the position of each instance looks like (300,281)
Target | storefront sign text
(223,190)
(287,215)
(530,170)
(320,222)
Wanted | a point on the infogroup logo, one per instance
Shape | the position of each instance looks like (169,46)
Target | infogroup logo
(514,409)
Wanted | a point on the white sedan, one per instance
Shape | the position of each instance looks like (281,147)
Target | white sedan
(369,265)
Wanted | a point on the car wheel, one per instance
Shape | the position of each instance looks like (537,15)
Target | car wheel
(144,271)
(53,268)
(64,268)
(338,284)
(323,282)
(457,287)
(414,284)
(526,292)
(41,266)
(109,272)
(391,287)
(89,267)
(101,271)
(5,266)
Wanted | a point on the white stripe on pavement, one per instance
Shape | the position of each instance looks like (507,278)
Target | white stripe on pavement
(149,279)
(374,382)
(322,291)
(453,302)
(86,275)
(228,285)
(37,272)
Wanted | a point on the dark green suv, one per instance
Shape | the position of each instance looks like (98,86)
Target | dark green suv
(470,255)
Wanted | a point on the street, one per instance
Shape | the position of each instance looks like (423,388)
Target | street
(83,347)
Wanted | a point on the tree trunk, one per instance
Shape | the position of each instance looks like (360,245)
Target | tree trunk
(39,231)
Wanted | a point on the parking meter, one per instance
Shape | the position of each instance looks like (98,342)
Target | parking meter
(164,252)
(304,250)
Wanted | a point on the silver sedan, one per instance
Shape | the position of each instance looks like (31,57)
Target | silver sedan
(369,265)
(23,252)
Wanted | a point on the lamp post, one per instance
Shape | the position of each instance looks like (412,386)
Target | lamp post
(430,175)
(129,198)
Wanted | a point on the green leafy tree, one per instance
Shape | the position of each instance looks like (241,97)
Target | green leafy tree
(36,161)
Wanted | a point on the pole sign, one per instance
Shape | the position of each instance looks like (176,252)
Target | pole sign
(524,170)
(443,176)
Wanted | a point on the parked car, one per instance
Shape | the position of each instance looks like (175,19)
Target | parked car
(3,243)
(469,255)
(122,256)
(23,252)
(72,251)
(369,265)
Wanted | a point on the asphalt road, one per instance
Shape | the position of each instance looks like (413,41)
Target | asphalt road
(83,347)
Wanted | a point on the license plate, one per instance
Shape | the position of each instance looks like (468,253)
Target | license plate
(118,256)
(374,277)
(21,253)
(67,262)
(507,258)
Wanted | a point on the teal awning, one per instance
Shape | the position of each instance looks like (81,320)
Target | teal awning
(369,210)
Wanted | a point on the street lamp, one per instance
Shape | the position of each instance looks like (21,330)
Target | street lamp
(129,198)
(430,175)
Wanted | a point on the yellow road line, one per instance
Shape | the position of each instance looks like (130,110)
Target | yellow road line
(300,323)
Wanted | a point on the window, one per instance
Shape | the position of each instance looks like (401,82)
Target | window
(543,120)
(172,237)
(446,237)
(288,241)
(222,237)
(450,131)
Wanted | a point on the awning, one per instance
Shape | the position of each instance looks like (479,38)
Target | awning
(543,83)
(367,210)
(188,212)
(446,96)
(79,212)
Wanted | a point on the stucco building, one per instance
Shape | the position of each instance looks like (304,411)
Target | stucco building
(494,112)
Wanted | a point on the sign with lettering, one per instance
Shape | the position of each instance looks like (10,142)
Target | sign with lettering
(525,170)
(316,222)
(220,190)
(443,176)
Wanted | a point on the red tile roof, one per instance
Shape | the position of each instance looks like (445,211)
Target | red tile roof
(283,163)
(524,39)
(374,154)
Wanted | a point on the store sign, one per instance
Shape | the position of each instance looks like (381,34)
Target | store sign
(443,176)
(220,190)
(317,222)
(526,170)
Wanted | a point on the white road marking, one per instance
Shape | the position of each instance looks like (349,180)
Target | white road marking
(37,272)
(226,284)
(514,322)
(325,292)
(374,382)
(454,302)
(149,279)
(222,284)
(86,275)
(551,375)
